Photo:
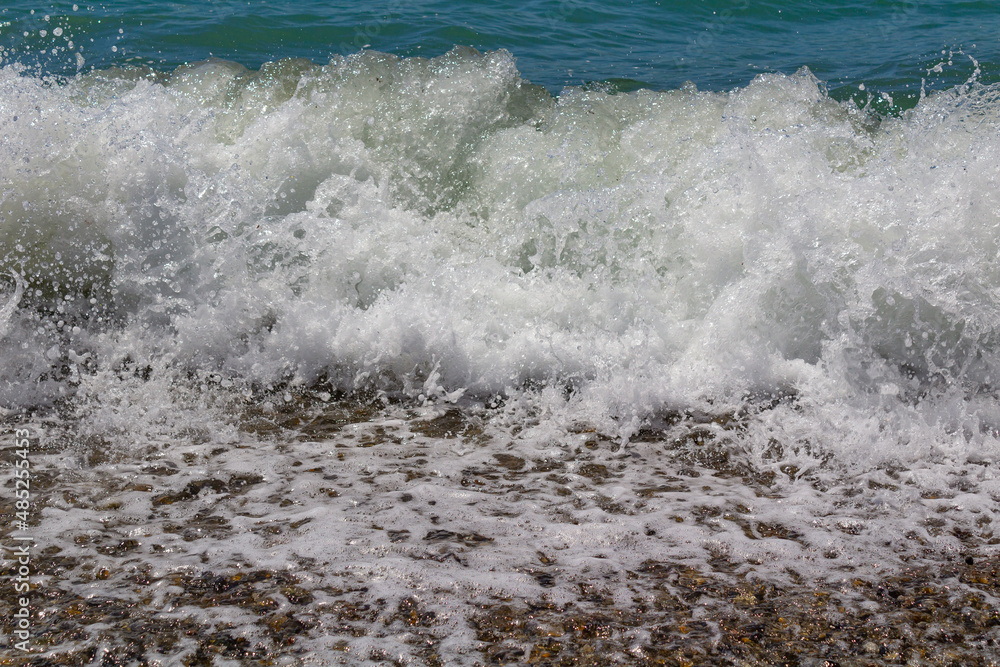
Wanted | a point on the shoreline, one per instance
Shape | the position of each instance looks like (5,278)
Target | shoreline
(424,534)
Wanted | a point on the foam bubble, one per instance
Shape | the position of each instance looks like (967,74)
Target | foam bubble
(377,221)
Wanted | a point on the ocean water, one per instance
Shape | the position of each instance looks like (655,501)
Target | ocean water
(892,46)
(420,316)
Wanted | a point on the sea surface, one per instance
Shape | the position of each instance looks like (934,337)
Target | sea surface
(466,333)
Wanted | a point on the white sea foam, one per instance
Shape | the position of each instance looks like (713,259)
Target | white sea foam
(442,228)
(375,219)
(7,312)
(440,231)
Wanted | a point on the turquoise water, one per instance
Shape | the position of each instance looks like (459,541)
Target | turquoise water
(891,47)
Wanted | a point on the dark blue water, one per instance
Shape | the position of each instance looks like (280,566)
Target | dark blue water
(892,47)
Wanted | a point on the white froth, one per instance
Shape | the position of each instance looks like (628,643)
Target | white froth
(376,220)
(798,298)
